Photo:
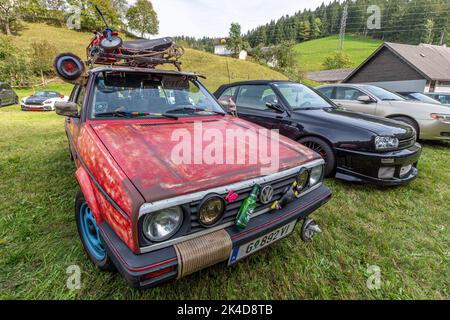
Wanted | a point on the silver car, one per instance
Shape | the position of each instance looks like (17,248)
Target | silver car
(431,121)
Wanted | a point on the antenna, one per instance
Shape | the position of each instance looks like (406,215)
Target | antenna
(101,16)
(343,27)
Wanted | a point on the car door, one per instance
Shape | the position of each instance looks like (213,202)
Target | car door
(251,102)
(74,124)
(347,97)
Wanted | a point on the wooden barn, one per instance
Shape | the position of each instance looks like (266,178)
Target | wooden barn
(400,67)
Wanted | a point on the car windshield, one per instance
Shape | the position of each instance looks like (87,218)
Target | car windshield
(383,94)
(301,97)
(41,94)
(423,98)
(149,95)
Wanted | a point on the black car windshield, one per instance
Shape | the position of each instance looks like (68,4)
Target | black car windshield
(150,95)
(383,94)
(301,97)
(47,94)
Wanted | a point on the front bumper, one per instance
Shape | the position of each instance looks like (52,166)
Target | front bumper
(25,107)
(365,167)
(165,263)
(434,130)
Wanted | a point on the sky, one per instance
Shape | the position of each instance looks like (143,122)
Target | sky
(212,18)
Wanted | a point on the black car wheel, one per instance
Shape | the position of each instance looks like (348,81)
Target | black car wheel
(409,121)
(90,236)
(323,148)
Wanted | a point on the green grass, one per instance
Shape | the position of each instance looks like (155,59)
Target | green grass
(218,70)
(312,54)
(404,231)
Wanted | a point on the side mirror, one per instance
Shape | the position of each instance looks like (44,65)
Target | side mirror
(365,99)
(275,107)
(224,103)
(68,109)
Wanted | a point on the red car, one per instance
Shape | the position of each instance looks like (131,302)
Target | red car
(156,218)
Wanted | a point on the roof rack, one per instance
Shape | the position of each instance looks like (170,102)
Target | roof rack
(137,53)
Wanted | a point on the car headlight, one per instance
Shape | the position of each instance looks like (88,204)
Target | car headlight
(211,210)
(162,224)
(47,101)
(383,143)
(302,180)
(315,176)
(440,116)
(22,101)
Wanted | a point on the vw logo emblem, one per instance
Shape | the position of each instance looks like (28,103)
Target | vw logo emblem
(266,195)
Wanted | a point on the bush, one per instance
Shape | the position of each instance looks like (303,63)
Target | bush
(337,61)
(14,66)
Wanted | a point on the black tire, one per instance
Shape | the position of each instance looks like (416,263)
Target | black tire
(411,122)
(104,264)
(323,148)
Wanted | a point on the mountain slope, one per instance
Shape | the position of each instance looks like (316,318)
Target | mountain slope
(310,55)
(217,69)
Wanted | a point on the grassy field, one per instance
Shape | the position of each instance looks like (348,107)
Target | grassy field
(404,231)
(218,70)
(312,54)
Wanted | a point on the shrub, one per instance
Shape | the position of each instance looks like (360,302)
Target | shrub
(338,60)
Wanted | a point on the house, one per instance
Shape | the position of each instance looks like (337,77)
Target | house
(329,76)
(401,67)
(220,48)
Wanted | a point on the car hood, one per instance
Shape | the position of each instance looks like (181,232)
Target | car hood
(377,125)
(34,99)
(144,150)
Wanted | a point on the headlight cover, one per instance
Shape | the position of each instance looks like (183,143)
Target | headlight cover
(385,143)
(211,210)
(315,176)
(302,180)
(163,224)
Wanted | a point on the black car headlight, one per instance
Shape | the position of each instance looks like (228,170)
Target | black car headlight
(315,176)
(302,180)
(162,224)
(386,143)
(211,211)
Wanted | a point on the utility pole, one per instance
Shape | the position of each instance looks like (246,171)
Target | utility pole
(343,28)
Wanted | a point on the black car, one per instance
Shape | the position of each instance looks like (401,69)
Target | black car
(356,147)
(7,95)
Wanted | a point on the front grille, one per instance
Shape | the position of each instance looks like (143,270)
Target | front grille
(232,209)
(34,104)
(406,143)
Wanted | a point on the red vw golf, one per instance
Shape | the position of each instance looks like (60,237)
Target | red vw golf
(152,203)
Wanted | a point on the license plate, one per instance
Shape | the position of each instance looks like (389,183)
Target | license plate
(249,248)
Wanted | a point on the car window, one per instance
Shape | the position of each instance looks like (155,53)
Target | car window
(152,94)
(256,97)
(350,94)
(54,94)
(227,94)
(422,97)
(444,99)
(328,91)
(301,97)
(80,98)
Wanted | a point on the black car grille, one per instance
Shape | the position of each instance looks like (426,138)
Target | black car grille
(34,103)
(232,209)
(406,143)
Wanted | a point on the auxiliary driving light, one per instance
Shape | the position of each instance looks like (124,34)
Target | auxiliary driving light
(211,211)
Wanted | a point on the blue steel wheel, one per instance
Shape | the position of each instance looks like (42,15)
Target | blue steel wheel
(90,235)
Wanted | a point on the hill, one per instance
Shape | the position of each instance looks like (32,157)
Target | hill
(310,55)
(217,69)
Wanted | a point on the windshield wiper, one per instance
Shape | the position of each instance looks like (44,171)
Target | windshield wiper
(132,114)
(192,109)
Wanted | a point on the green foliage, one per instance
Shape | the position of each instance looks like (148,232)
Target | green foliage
(337,61)
(42,56)
(14,68)
(235,41)
(142,18)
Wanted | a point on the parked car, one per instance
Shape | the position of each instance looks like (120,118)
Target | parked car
(431,121)
(155,219)
(7,95)
(42,101)
(417,96)
(443,98)
(356,147)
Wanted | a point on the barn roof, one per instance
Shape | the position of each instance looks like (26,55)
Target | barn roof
(336,75)
(431,61)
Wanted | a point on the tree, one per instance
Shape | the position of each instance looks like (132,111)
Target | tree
(338,60)
(235,41)
(42,55)
(143,18)
(429,35)
(9,12)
